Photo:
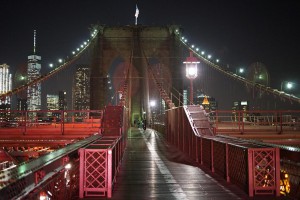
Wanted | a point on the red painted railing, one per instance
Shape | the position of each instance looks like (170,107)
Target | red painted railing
(100,161)
(54,175)
(99,164)
(264,121)
(253,167)
(56,122)
(61,185)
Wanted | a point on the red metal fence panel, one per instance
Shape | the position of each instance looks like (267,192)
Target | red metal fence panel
(266,178)
(99,164)
(235,159)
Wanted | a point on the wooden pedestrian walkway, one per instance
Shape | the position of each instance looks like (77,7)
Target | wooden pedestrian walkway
(152,169)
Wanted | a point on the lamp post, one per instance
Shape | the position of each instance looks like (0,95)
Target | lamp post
(152,105)
(191,72)
(288,85)
(240,71)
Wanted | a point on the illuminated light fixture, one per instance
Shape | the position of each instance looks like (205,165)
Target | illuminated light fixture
(209,56)
(185,40)
(217,60)
(287,85)
(78,49)
(68,166)
(241,70)
(81,46)
(193,46)
(84,43)
(182,38)
(191,72)
(205,101)
(51,65)
(202,52)
(197,49)
(60,60)
(152,103)
(43,195)
(73,52)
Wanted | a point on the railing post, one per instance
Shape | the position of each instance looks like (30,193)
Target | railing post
(212,155)
(280,122)
(201,150)
(62,122)
(243,123)
(109,173)
(81,172)
(25,122)
(227,163)
(250,172)
(277,168)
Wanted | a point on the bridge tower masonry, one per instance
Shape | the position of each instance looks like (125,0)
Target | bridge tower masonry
(136,48)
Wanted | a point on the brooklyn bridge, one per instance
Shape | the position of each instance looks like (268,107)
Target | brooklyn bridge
(154,130)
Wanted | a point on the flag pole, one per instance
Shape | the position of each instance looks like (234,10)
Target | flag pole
(136,13)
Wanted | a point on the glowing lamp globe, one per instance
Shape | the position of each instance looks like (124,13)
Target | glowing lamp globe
(191,65)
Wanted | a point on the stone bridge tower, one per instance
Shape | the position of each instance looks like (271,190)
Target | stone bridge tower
(135,48)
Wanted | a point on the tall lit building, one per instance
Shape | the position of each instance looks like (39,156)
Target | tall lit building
(5,86)
(52,103)
(62,100)
(81,89)
(5,82)
(33,72)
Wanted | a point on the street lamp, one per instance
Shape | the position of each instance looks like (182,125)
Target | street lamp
(286,85)
(191,72)
(152,105)
(240,71)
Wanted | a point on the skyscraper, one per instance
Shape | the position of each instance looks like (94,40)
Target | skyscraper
(5,86)
(62,100)
(33,72)
(52,104)
(5,83)
(81,89)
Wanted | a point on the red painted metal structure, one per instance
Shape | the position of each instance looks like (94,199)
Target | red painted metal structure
(100,161)
(66,121)
(58,175)
(262,121)
(47,174)
(253,167)
(99,164)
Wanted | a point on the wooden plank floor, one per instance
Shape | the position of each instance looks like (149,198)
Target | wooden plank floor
(152,169)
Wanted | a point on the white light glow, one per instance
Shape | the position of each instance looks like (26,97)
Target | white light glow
(68,166)
(152,103)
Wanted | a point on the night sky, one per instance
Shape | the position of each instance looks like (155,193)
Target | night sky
(237,32)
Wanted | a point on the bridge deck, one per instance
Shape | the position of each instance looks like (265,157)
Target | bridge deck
(152,169)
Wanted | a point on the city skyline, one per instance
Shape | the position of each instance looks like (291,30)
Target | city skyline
(238,33)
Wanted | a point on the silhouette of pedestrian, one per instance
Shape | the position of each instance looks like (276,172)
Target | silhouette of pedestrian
(144,124)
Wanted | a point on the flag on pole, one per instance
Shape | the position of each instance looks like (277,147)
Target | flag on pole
(136,11)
